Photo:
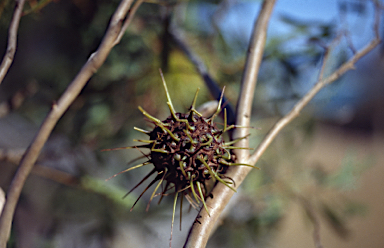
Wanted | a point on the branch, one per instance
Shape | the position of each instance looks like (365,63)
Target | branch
(12,40)
(309,209)
(112,35)
(204,225)
(2,199)
(349,65)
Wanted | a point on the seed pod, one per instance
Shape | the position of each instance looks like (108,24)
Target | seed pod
(187,151)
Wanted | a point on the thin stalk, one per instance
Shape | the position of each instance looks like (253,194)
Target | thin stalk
(94,62)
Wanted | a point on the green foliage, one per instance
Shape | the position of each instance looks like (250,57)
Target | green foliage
(351,169)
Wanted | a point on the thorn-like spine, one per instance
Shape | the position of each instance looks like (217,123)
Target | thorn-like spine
(129,169)
(187,150)
(202,197)
(154,191)
(218,106)
(142,130)
(173,217)
(236,140)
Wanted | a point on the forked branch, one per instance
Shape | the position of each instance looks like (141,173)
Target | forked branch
(199,233)
(202,228)
(275,130)
(117,27)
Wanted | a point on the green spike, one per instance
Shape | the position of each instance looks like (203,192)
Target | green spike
(221,161)
(129,169)
(181,209)
(193,190)
(182,168)
(145,113)
(194,99)
(118,148)
(154,191)
(142,180)
(142,193)
(159,150)
(172,111)
(224,182)
(145,141)
(207,167)
(210,139)
(158,123)
(167,93)
(218,106)
(173,217)
(225,120)
(142,130)
(227,155)
(177,119)
(196,112)
(236,140)
(215,176)
(238,126)
(189,137)
(163,192)
(202,197)
(170,133)
(191,201)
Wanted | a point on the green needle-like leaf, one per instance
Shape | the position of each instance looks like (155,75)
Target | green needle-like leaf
(202,197)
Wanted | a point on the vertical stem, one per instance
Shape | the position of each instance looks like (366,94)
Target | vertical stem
(58,109)
(199,233)
(12,40)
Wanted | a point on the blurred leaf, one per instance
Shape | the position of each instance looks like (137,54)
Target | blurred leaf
(346,178)
(335,221)
(108,190)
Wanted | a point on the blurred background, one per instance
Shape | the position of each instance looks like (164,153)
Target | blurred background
(324,170)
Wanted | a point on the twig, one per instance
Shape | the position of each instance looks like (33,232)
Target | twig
(349,65)
(12,40)
(58,109)
(378,12)
(327,53)
(201,229)
(315,220)
(128,20)
(2,199)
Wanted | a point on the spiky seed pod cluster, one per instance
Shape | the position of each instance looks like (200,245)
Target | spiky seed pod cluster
(187,151)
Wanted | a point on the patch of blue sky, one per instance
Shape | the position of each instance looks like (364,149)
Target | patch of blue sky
(236,23)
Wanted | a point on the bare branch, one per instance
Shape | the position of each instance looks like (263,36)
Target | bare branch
(349,65)
(309,209)
(327,53)
(127,21)
(12,40)
(204,225)
(2,199)
(58,109)
(376,25)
